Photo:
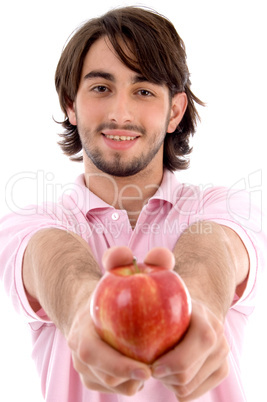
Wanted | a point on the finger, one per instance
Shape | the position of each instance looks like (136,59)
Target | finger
(211,382)
(212,364)
(210,375)
(160,256)
(116,257)
(99,355)
(118,385)
(95,381)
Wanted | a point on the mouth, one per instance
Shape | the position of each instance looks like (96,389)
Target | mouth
(120,137)
(120,140)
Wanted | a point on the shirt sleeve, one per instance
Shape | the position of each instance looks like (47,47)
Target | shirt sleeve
(236,210)
(16,229)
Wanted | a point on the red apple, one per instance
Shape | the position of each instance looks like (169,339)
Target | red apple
(141,310)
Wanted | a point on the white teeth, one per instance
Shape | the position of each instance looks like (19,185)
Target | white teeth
(119,137)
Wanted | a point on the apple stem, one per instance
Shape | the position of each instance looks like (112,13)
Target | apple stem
(137,270)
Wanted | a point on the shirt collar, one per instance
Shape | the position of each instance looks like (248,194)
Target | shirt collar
(87,201)
(167,190)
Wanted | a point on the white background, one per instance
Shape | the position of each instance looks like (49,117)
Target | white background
(226,47)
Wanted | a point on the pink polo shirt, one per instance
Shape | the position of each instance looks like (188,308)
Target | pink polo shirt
(165,216)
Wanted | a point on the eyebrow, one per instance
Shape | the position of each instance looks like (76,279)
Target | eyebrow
(110,77)
(140,78)
(99,74)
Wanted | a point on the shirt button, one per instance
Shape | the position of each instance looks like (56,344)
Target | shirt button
(115,216)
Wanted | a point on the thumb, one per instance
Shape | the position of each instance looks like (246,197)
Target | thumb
(160,256)
(117,257)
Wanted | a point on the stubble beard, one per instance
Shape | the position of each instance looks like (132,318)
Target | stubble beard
(118,167)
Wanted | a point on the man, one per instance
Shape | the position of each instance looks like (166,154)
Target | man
(124,87)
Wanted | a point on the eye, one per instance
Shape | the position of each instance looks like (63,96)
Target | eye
(100,89)
(145,92)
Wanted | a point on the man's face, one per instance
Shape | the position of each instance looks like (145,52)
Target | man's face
(121,117)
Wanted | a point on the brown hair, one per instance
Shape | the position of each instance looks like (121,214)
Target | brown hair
(159,55)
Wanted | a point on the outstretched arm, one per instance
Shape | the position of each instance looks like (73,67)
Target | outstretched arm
(60,274)
(214,264)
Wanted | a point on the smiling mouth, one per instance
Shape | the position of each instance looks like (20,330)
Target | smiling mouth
(120,137)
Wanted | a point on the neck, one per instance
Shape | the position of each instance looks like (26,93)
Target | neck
(127,193)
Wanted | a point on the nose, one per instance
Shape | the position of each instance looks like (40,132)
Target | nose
(121,109)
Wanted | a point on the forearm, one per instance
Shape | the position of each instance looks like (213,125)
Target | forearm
(59,273)
(213,262)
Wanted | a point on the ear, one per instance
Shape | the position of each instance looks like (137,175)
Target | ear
(178,108)
(71,114)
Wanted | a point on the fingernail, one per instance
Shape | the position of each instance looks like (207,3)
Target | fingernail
(139,374)
(160,371)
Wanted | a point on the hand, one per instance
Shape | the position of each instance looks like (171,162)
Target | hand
(199,362)
(102,368)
